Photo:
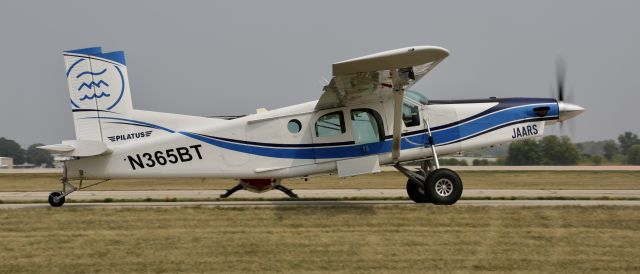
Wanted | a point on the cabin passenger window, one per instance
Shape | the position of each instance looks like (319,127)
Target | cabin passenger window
(330,124)
(294,126)
(367,127)
(410,115)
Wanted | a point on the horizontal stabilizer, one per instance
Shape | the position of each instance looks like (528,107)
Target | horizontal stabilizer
(58,148)
(78,148)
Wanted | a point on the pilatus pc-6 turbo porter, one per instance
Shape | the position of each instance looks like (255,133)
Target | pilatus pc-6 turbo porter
(366,117)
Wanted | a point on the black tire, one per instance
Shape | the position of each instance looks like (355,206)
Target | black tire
(52,201)
(444,187)
(416,193)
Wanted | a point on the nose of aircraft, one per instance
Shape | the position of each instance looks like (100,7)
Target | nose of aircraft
(569,110)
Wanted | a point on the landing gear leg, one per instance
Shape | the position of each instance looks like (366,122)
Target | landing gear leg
(432,184)
(286,190)
(56,198)
(440,186)
(416,183)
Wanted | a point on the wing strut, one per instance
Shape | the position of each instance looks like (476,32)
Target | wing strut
(400,78)
(397,124)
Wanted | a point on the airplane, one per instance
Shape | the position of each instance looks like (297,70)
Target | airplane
(366,117)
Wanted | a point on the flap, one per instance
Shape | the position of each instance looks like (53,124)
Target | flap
(358,166)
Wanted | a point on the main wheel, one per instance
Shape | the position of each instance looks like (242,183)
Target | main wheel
(444,187)
(52,200)
(416,193)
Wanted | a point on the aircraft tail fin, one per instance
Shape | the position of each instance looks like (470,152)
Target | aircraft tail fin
(99,93)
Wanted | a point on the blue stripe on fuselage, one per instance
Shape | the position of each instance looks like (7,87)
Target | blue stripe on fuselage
(458,133)
(497,118)
(297,153)
(500,116)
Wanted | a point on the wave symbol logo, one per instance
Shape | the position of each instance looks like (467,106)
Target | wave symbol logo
(100,90)
(89,85)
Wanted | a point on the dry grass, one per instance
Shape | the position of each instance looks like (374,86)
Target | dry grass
(349,239)
(472,179)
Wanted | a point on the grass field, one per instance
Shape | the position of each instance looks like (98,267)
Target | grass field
(350,239)
(472,179)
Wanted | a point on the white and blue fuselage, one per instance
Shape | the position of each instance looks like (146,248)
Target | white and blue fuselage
(365,117)
(295,142)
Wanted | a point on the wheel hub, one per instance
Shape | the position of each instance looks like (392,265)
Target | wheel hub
(444,187)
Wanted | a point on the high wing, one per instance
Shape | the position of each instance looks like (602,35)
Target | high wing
(380,76)
(376,76)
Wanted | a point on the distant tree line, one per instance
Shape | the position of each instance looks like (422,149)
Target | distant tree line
(32,155)
(550,150)
(462,162)
(452,162)
(627,148)
(554,150)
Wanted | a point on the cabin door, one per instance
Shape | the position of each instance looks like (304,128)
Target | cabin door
(350,137)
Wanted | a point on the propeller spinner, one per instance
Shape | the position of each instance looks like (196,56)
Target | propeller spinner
(567,110)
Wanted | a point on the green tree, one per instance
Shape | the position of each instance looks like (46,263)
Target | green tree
(610,149)
(524,152)
(627,140)
(484,162)
(559,151)
(9,148)
(551,149)
(596,160)
(633,157)
(38,156)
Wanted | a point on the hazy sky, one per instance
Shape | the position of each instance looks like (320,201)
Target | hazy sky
(205,58)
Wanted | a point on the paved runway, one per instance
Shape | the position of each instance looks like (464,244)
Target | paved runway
(330,203)
(591,197)
(8,197)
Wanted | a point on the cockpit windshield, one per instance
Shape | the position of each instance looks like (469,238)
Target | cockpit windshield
(416,96)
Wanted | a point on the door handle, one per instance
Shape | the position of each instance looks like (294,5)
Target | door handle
(365,148)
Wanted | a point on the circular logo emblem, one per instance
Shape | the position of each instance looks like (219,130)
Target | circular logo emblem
(99,86)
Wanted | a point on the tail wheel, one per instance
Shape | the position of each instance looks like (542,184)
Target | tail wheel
(416,192)
(56,199)
(443,187)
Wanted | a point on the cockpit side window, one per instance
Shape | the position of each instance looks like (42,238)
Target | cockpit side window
(330,124)
(410,115)
(416,96)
